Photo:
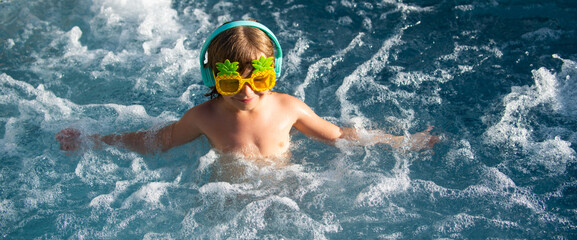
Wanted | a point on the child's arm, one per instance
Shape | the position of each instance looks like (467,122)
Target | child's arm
(310,124)
(315,127)
(414,142)
(151,141)
(145,142)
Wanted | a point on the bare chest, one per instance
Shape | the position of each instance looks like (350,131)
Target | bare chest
(257,136)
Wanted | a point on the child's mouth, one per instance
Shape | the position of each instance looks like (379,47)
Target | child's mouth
(245,100)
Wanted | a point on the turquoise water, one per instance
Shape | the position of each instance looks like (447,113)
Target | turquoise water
(497,78)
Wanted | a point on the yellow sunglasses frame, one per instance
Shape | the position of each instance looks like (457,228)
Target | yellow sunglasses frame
(250,80)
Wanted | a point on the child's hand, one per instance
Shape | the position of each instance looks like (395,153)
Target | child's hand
(69,139)
(424,140)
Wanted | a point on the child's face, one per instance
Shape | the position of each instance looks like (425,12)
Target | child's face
(246,98)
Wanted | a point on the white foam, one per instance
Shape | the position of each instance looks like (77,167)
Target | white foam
(292,59)
(75,48)
(177,65)
(190,95)
(554,155)
(497,186)
(345,21)
(376,194)
(460,50)
(8,213)
(9,143)
(94,170)
(405,8)
(551,92)
(150,193)
(463,221)
(417,78)
(69,51)
(512,128)
(465,8)
(367,24)
(276,212)
(219,187)
(318,69)
(270,203)
(497,180)
(32,103)
(180,60)
(363,76)
(111,58)
(10,43)
(461,154)
(566,96)
(105,200)
(207,160)
(145,37)
(156,236)
(154,20)
(456,223)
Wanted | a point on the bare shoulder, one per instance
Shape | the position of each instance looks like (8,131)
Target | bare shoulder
(288,100)
(198,112)
(307,121)
(293,105)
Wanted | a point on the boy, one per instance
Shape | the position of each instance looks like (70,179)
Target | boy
(243,116)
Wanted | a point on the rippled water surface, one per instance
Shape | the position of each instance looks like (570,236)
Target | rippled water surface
(497,78)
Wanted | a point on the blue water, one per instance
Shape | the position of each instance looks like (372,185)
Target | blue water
(498,79)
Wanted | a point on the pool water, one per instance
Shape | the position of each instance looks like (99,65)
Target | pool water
(497,79)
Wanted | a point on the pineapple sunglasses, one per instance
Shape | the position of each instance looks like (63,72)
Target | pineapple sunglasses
(229,82)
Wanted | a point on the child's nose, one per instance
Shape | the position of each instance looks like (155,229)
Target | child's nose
(246,89)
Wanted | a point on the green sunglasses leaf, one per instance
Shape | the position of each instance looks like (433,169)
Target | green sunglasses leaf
(227,68)
(262,64)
